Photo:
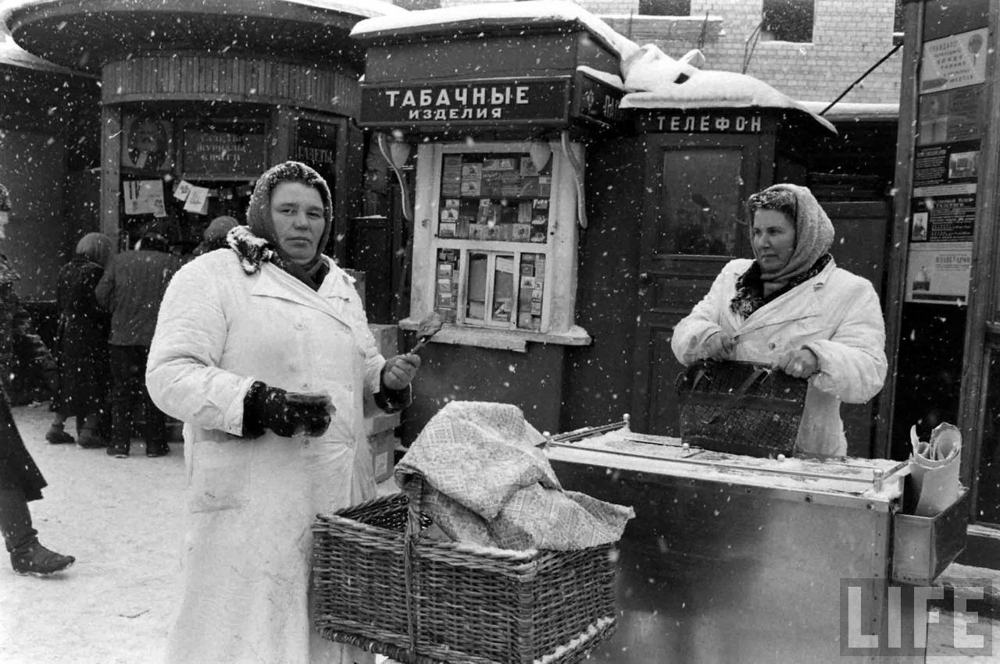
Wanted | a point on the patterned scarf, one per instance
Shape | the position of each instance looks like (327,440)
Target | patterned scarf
(253,251)
(750,287)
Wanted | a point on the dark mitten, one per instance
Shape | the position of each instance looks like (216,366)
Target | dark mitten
(392,401)
(284,413)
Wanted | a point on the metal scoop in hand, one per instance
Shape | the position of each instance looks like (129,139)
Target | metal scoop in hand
(428,327)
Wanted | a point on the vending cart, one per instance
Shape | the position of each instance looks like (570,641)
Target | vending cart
(739,559)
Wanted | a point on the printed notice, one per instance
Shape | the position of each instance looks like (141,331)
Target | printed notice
(954,61)
(938,272)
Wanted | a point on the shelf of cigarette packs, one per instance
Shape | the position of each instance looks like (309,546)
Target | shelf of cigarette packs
(492,198)
(524,286)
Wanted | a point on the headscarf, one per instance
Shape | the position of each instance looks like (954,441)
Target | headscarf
(96,247)
(260,223)
(813,229)
(813,239)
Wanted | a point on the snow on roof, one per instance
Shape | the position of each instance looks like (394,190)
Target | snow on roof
(14,55)
(854,111)
(652,79)
(364,8)
(655,80)
(474,15)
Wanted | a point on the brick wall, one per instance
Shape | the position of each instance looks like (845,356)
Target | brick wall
(849,36)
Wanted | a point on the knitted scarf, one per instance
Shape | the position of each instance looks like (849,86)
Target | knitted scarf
(253,251)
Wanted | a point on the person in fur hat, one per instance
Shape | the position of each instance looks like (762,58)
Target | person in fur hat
(793,308)
(264,352)
(20,479)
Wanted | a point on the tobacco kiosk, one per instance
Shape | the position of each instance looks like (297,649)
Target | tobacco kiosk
(208,98)
(502,114)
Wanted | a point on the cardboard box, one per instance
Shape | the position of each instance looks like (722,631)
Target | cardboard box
(387,338)
(383,447)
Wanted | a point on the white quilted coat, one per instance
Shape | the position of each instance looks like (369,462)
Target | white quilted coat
(835,314)
(246,556)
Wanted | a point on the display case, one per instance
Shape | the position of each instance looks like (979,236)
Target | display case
(495,241)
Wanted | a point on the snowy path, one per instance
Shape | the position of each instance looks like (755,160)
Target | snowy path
(122,519)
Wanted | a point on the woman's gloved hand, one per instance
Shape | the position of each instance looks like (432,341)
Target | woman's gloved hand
(399,370)
(397,374)
(800,363)
(719,346)
(285,413)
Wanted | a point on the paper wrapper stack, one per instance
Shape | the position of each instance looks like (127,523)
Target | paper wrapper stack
(934,466)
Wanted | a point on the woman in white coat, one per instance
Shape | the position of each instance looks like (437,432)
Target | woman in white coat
(264,351)
(793,308)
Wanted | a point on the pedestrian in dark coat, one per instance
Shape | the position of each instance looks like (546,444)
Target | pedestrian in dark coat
(82,344)
(20,479)
(132,289)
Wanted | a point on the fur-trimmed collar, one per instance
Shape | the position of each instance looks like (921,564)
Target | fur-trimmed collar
(252,250)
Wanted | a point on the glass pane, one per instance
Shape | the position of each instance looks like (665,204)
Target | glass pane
(503,288)
(702,202)
(495,197)
(446,286)
(475,308)
(530,292)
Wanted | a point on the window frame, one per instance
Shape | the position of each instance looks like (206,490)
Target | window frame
(560,251)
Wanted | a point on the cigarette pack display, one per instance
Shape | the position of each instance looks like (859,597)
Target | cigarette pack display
(528,167)
(491,184)
(528,187)
(446,229)
(470,188)
(521,232)
(544,185)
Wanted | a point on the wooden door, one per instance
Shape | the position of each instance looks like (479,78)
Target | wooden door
(693,223)
(860,246)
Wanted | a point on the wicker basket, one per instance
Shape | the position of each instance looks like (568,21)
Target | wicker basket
(740,408)
(381,587)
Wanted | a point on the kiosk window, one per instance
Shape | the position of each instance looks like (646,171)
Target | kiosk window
(495,243)
(701,202)
(512,284)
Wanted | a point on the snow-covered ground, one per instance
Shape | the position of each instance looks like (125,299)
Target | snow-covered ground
(123,520)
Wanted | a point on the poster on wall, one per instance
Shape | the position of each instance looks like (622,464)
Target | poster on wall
(938,272)
(144,197)
(943,219)
(954,61)
(147,143)
(950,116)
(942,170)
